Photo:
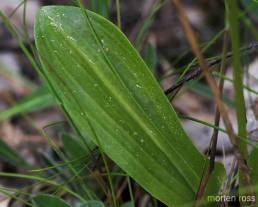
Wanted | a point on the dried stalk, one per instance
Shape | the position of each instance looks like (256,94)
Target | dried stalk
(214,138)
(215,90)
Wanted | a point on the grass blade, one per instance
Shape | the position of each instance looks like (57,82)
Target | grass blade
(38,100)
(7,154)
(237,72)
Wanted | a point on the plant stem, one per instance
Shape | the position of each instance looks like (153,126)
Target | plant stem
(130,191)
(233,18)
(119,24)
(217,113)
(213,85)
(237,72)
(193,74)
(214,139)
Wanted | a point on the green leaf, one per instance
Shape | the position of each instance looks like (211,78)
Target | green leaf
(48,201)
(53,167)
(91,204)
(150,56)
(127,204)
(39,99)
(73,147)
(101,7)
(110,95)
(9,155)
(76,151)
(205,91)
(251,6)
(253,165)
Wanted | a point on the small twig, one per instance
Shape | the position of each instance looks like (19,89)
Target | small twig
(121,188)
(227,186)
(197,72)
(215,90)
(217,114)
(214,139)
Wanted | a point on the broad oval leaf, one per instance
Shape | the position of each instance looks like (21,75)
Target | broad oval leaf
(111,96)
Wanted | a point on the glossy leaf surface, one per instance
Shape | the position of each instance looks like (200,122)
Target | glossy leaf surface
(111,96)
